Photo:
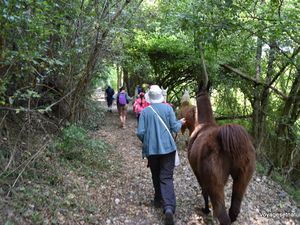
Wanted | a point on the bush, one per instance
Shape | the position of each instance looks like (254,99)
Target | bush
(76,146)
(72,142)
(93,116)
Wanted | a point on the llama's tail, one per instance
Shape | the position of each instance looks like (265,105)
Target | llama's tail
(235,140)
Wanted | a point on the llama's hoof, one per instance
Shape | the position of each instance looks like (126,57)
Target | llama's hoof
(205,210)
(233,215)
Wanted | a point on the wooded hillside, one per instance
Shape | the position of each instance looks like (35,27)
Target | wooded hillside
(54,54)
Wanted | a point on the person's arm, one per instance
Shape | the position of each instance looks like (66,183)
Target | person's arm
(117,98)
(175,124)
(128,98)
(141,127)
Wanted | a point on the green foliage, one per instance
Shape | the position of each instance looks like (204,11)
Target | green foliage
(106,75)
(94,116)
(160,58)
(260,168)
(51,181)
(75,146)
(45,47)
(72,139)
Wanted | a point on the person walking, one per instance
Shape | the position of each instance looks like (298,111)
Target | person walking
(156,123)
(139,89)
(109,93)
(139,104)
(122,101)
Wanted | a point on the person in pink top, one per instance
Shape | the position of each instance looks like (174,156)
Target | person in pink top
(139,104)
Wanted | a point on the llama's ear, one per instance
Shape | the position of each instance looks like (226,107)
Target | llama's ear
(201,86)
(167,89)
(209,84)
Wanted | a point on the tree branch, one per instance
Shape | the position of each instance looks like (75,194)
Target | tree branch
(295,53)
(233,117)
(247,77)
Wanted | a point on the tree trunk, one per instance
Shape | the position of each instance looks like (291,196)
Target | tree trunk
(119,77)
(290,113)
(256,97)
(264,98)
(126,80)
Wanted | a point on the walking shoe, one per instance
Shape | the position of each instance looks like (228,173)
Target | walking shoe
(169,220)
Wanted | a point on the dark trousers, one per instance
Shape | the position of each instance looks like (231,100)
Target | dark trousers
(109,101)
(162,169)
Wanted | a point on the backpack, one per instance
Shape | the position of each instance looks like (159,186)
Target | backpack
(122,99)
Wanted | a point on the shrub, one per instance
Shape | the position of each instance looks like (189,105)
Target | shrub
(76,146)
(93,116)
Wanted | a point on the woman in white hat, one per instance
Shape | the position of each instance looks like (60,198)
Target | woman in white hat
(156,123)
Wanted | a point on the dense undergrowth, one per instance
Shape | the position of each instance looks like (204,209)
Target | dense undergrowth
(45,186)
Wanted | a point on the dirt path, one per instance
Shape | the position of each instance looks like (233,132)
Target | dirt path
(125,199)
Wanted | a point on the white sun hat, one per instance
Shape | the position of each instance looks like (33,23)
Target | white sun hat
(154,95)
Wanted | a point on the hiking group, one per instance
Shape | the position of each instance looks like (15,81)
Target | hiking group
(156,121)
(214,151)
(122,101)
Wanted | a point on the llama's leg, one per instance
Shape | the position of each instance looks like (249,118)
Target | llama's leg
(238,190)
(191,129)
(186,143)
(217,200)
(206,209)
(183,127)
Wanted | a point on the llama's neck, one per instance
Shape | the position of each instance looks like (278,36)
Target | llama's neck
(185,103)
(204,110)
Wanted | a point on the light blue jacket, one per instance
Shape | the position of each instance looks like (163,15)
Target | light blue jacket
(153,134)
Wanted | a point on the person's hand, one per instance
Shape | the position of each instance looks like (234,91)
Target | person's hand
(183,120)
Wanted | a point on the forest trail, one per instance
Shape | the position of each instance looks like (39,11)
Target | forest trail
(126,198)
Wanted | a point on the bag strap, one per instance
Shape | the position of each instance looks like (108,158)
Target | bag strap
(177,160)
(161,120)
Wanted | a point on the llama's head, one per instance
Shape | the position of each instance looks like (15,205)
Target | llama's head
(165,93)
(185,97)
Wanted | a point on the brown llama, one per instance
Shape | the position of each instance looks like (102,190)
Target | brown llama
(187,111)
(214,153)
